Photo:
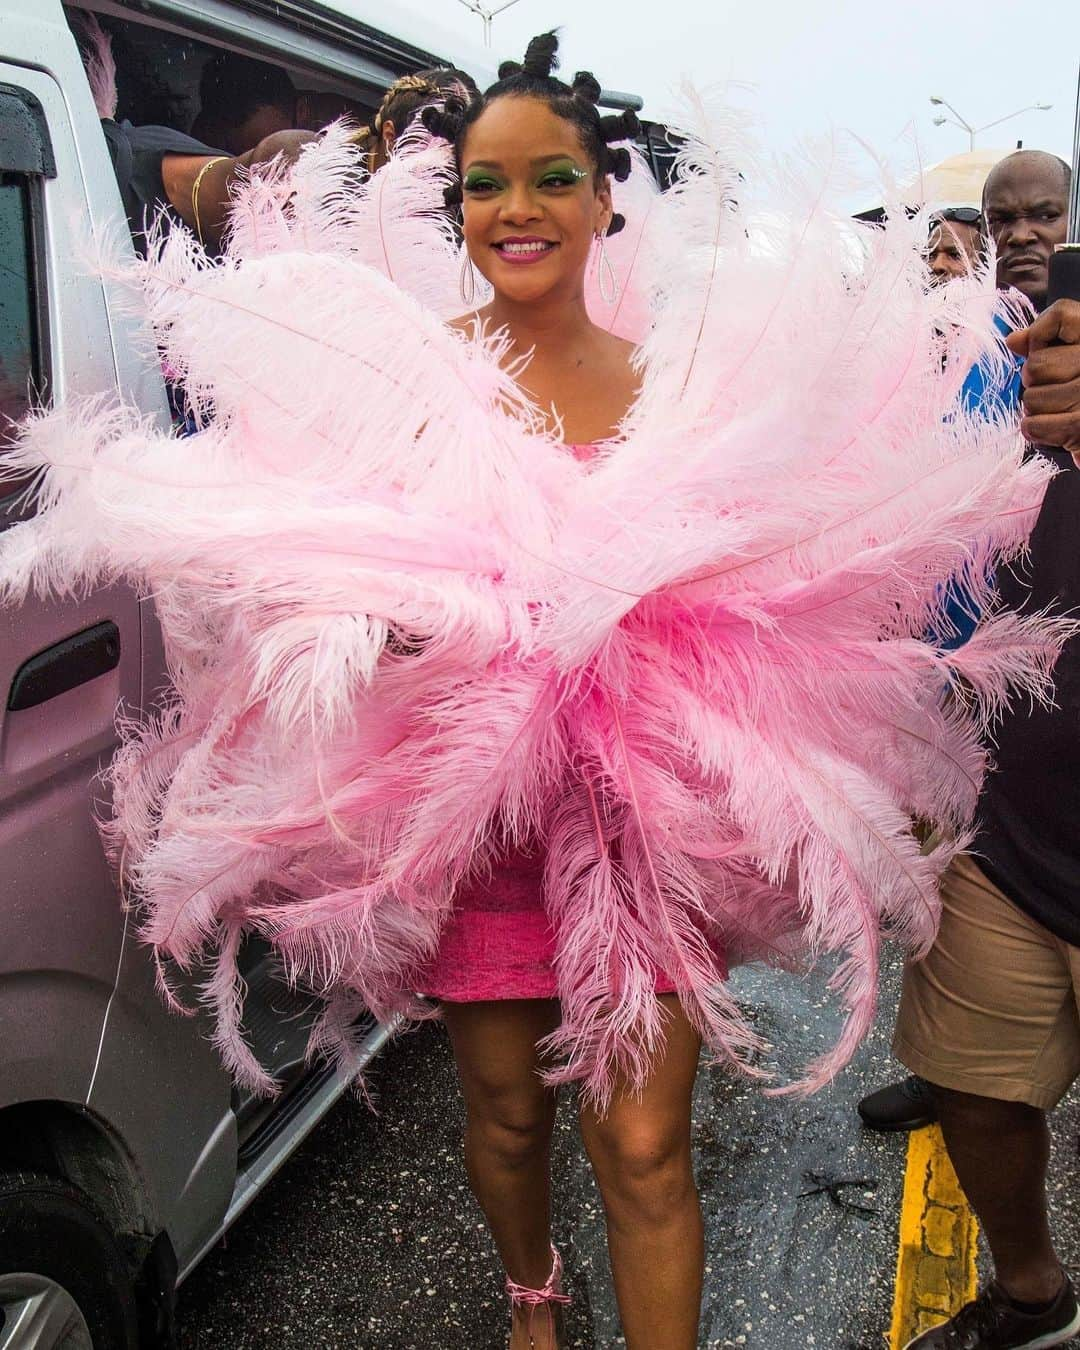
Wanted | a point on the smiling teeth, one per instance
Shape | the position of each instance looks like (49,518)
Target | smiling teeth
(537,247)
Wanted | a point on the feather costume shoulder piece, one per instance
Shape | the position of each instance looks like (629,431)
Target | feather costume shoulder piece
(407,630)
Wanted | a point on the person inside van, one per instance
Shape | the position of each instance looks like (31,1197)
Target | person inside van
(164,172)
(242,101)
(249,115)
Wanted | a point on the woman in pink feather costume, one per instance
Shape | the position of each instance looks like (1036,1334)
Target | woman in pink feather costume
(548,659)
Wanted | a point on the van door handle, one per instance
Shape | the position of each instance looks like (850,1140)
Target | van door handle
(65,665)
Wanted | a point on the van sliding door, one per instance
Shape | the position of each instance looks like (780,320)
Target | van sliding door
(81,1018)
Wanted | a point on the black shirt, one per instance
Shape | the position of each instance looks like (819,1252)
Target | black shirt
(137,153)
(1029,814)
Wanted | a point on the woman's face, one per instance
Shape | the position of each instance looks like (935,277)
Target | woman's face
(532,206)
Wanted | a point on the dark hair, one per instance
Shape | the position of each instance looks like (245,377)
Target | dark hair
(232,87)
(406,96)
(575,103)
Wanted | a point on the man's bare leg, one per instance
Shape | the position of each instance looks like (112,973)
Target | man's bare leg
(1000,1151)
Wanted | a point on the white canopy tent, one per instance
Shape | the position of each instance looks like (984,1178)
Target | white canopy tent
(956,181)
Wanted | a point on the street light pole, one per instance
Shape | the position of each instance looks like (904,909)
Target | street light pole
(965,125)
(1065,261)
(487,15)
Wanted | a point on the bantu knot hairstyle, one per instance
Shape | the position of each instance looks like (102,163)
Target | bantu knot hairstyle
(576,102)
(541,58)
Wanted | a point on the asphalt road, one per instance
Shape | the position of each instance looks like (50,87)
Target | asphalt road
(369,1238)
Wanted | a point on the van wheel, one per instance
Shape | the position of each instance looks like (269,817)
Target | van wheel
(64,1283)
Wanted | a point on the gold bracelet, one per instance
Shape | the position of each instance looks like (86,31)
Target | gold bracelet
(219,159)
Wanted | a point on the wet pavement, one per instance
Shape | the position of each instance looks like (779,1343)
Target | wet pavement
(369,1238)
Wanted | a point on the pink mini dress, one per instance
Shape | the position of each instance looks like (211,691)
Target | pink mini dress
(497,942)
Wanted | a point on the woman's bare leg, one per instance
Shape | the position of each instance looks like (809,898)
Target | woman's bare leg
(509,1117)
(640,1152)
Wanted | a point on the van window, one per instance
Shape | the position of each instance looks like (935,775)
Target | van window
(20,358)
(26,161)
(222,98)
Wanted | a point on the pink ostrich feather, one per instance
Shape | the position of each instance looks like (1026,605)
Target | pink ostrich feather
(100,64)
(407,630)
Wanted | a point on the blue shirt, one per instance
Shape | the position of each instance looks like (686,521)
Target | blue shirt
(991,392)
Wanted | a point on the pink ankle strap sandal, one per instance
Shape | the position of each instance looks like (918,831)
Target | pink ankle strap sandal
(522,1297)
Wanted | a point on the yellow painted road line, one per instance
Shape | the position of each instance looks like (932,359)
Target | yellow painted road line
(935,1264)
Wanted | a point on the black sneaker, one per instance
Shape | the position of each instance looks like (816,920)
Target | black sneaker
(907,1105)
(993,1323)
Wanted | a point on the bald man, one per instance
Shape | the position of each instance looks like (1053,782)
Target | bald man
(1026,205)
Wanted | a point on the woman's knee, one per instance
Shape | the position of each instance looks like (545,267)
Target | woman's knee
(512,1131)
(642,1167)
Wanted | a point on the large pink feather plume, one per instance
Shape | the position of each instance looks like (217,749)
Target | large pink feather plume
(407,630)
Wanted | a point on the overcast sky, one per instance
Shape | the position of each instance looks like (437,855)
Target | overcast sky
(867,67)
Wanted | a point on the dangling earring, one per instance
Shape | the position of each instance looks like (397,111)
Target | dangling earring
(605,274)
(468,280)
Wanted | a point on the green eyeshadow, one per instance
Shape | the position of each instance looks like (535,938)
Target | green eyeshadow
(477,178)
(565,169)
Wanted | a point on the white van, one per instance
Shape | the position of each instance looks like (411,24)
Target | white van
(125,1152)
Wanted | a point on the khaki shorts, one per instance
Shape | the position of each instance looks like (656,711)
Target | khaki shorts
(994,1008)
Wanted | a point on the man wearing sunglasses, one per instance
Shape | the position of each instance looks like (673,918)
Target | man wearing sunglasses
(956,240)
